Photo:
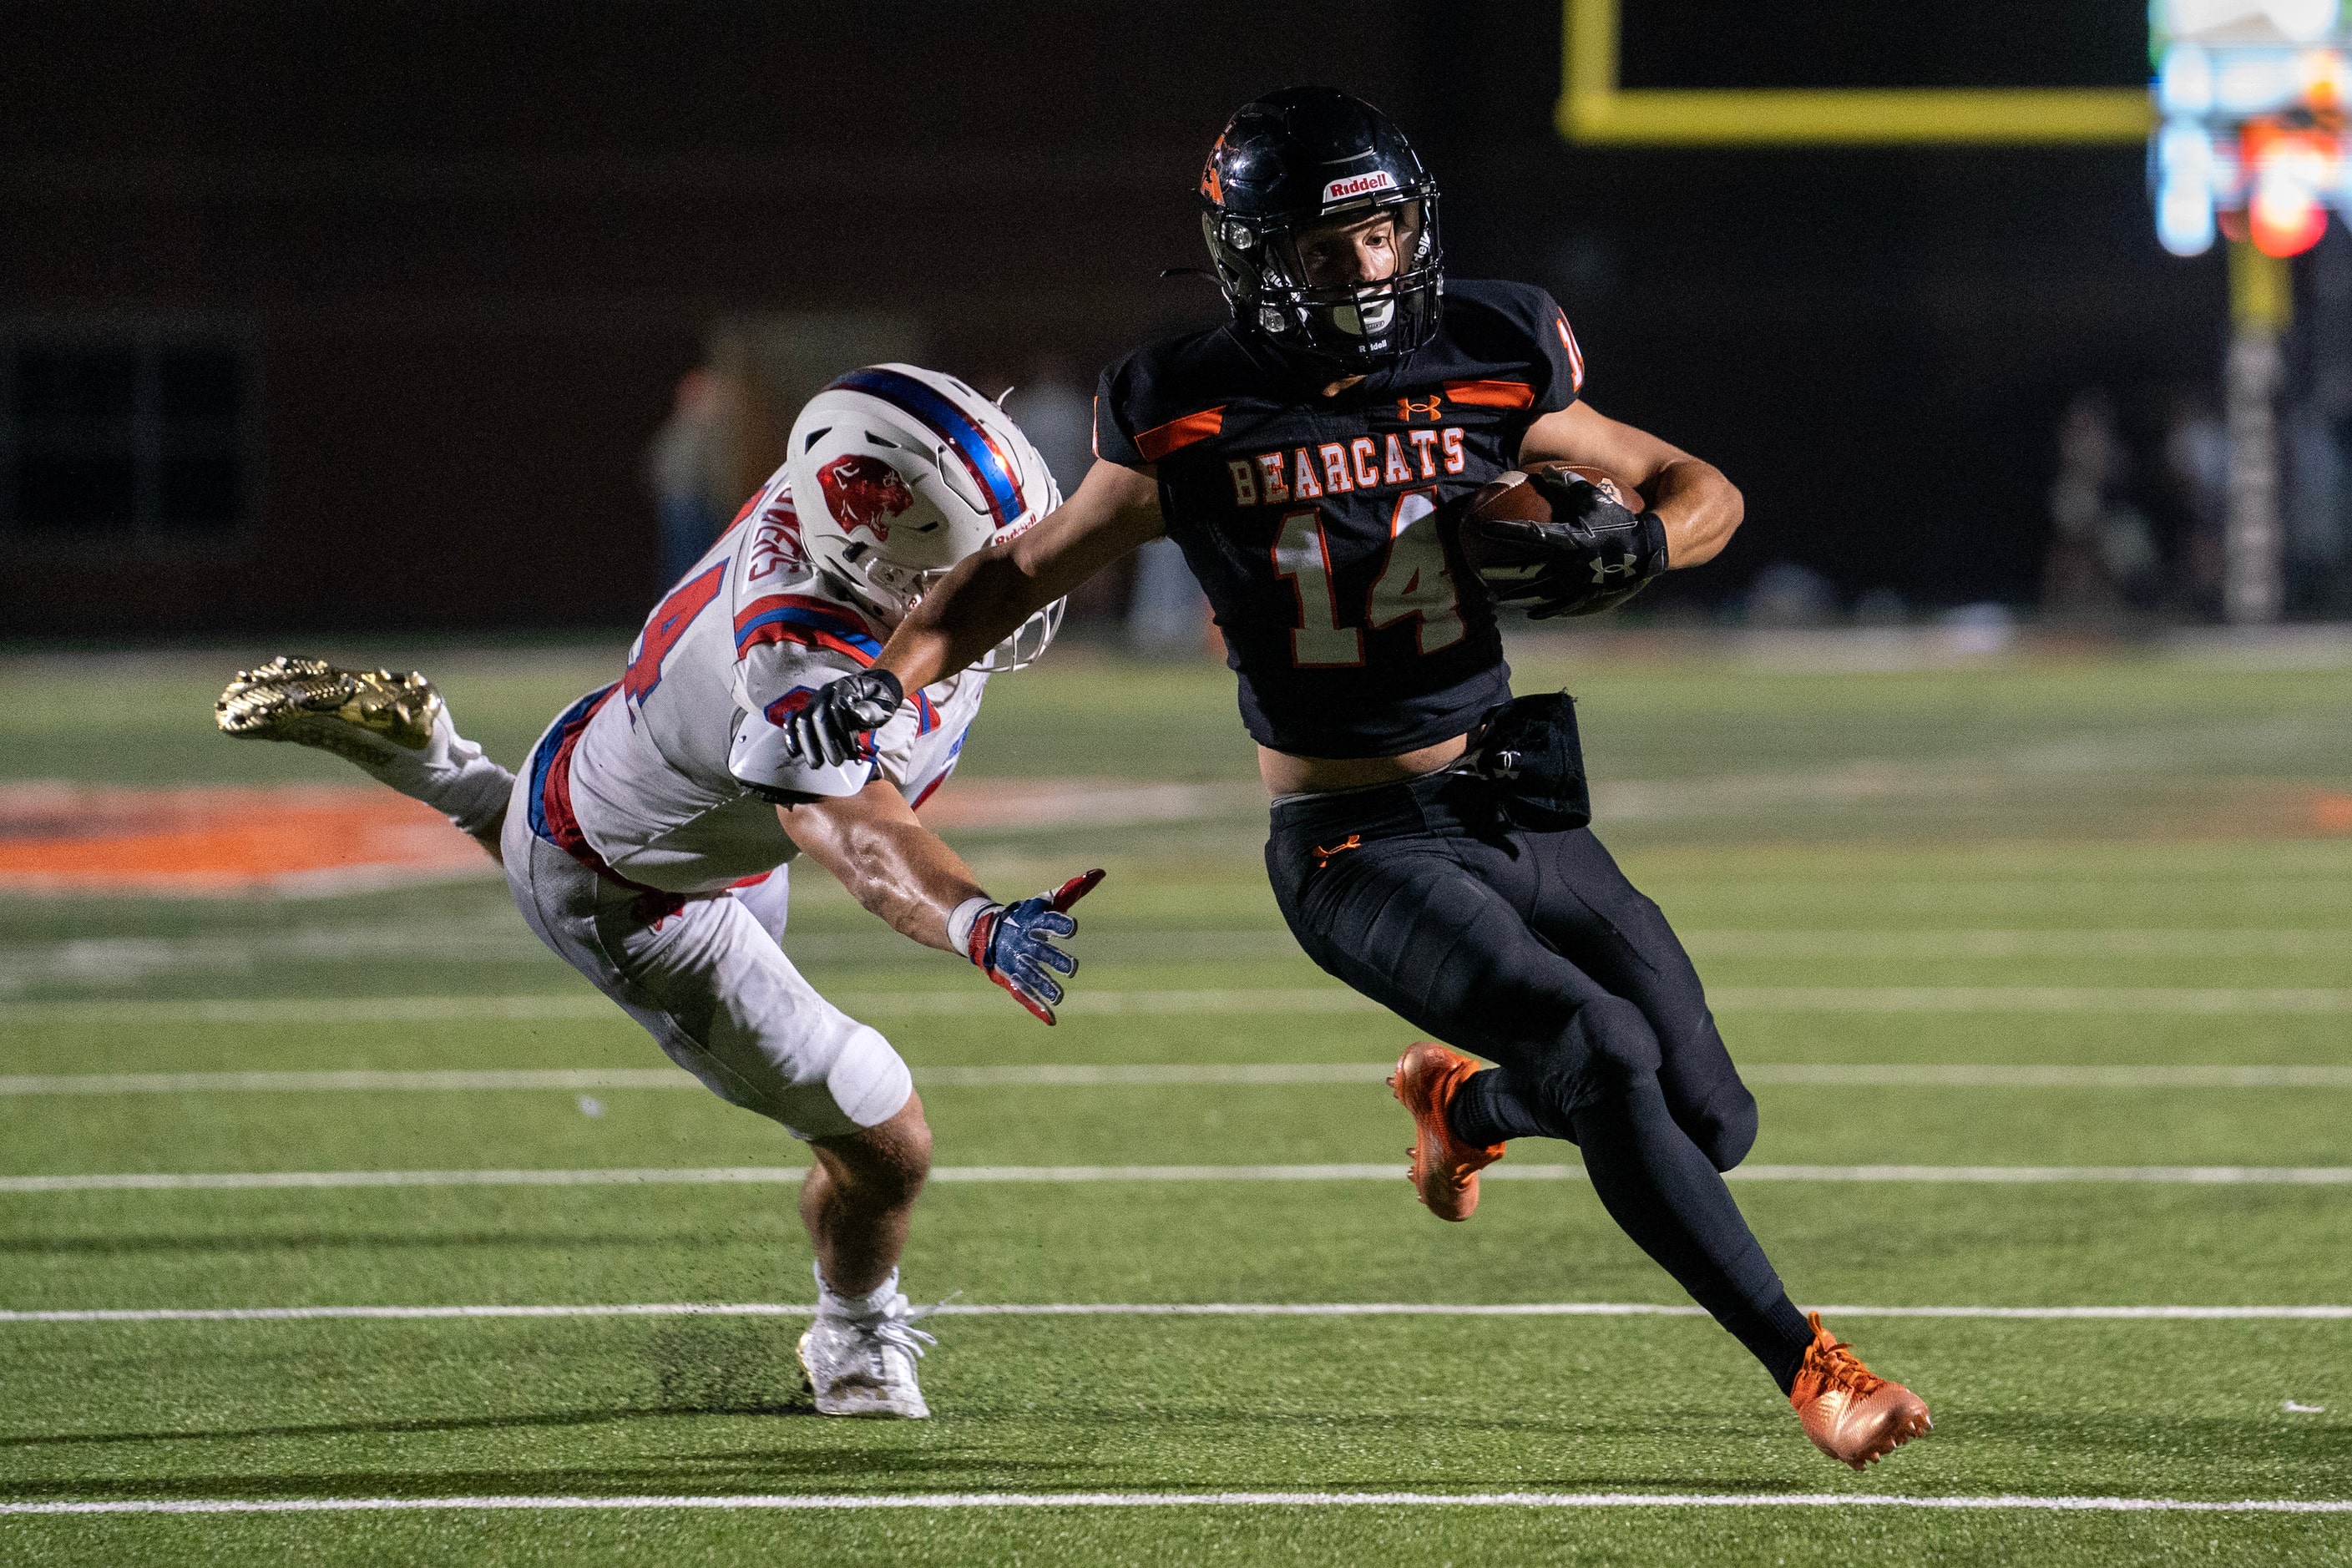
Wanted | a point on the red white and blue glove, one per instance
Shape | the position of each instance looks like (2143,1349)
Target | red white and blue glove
(1013,943)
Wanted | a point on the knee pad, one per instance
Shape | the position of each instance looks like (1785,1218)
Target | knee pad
(1619,1045)
(1727,1125)
(1609,1048)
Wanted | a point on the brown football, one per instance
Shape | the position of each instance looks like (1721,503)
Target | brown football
(1509,495)
(1508,558)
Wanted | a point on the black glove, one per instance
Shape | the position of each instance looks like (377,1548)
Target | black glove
(831,730)
(1601,554)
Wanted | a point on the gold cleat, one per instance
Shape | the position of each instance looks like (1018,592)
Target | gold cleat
(350,712)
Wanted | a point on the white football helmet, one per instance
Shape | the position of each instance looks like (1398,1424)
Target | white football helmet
(900,472)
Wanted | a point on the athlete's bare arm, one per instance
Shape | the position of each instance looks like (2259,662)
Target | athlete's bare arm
(1700,507)
(988,596)
(889,861)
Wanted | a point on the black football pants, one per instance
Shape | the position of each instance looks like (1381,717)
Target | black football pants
(1532,950)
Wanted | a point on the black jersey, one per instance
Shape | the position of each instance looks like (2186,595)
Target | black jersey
(1318,525)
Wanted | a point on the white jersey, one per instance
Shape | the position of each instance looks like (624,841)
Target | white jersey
(658,775)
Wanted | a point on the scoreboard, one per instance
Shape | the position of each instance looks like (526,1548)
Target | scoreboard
(2251,143)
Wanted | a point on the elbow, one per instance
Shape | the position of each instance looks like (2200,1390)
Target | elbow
(1712,524)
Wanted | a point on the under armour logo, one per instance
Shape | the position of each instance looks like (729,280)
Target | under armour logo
(1323,855)
(1407,407)
(1602,570)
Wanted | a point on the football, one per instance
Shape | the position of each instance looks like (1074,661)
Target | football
(1513,557)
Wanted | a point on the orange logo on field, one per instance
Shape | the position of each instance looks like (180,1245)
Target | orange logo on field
(214,841)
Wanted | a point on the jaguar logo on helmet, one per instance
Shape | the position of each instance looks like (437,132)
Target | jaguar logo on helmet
(1355,185)
(864,491)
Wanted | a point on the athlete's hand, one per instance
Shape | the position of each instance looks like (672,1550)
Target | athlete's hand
(830,730)
(1013,943)
(1603,554)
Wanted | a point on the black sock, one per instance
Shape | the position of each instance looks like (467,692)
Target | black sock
(1668,1197)
(1488,1109)
(1781,1344)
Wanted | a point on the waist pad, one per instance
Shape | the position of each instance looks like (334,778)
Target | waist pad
(1528,748)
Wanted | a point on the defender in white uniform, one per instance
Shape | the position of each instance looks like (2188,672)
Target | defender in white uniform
(649,837)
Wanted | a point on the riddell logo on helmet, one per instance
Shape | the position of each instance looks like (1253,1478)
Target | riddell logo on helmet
(1359,186)
(862,491)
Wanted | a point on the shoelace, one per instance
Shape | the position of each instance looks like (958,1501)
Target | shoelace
(894,1328)
(1838,1367)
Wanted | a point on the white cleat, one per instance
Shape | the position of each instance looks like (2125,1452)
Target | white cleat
(866,1366)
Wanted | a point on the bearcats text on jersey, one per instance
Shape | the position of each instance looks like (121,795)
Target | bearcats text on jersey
(1320,527)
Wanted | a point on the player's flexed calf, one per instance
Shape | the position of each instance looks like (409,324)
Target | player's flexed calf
(648,838)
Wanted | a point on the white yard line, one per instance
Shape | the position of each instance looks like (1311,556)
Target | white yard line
(926,1501)
(1893,1075)
(2238,942)
(1150,1310)
(2028,999)
(118,962)
(765,1176)
(1270,1000)
(1074,1074)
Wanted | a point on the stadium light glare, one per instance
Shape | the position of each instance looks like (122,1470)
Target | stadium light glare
(2248,21)
(2186,170)
(2184,84)
(2263,87)
(2256,82)
(2294,172)
(2305,21)
(2184,218)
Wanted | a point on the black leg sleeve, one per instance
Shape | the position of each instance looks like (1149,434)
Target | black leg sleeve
(1583,906)
(1435,929)
(1665,1192)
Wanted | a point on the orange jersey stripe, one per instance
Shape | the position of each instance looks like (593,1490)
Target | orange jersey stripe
(1177,434)
(1491,394)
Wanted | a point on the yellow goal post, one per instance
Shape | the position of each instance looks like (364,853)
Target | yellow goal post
(1594,108)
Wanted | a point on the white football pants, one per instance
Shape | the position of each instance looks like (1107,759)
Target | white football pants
(712,987)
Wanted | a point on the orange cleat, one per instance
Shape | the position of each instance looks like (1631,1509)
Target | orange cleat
(1854,1416)
(1445,1170)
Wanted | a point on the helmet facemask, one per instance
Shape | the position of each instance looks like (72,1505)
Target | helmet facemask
(1359,325)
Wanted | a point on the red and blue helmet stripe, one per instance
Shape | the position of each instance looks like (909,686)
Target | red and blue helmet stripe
(985,461)
(813,623)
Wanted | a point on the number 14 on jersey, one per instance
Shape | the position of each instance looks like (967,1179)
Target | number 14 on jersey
(1414,582)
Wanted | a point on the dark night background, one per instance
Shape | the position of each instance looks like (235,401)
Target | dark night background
(473,247)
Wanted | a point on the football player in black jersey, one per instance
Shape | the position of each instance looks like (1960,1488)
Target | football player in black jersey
(1309,456)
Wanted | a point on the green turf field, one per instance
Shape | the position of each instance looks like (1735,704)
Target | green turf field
(2041,968)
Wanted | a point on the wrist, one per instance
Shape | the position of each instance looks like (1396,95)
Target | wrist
(1653,550)
(964,924)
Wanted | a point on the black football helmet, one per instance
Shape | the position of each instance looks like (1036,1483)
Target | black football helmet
(1302,158)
